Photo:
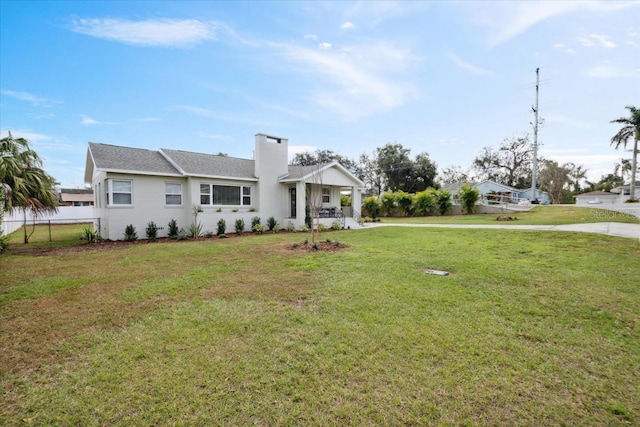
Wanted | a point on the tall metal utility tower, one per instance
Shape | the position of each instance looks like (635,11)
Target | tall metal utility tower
(534,172)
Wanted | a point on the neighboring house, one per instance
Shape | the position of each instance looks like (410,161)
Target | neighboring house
(494,192)
(596,198)
(136,186)
(624,192)
(76,197)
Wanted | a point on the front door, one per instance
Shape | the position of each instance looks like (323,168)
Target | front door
(292,195)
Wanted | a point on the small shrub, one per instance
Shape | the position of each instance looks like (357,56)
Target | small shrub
(234,210)
(219,210)
(222,236)
(291,227)
(305,228)
(173,229)
(468,198)
(255,221)
(295,245)
(321,227)
(4,242)
(208,234)
(87,234)
(271,223)
(306,241)
(194,230)
(258,228)
(130,233)
(152,231)
(182,234)
(336,225)
(222,227)
(328,240)
(239,226)
(371,205)
(337,243)
(314,246)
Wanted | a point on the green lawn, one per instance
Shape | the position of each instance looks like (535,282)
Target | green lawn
(530,328)
(539,215)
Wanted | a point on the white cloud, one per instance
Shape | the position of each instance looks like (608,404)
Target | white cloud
(41,116)
(215,136)
(359,81)
(311,37)
(586,42)
(325,46)
(509,19)
(473,69)
(28,135)
(25,96)
(88,121)
(604,41)
(348,26)
(571,51)
(597,40)
(151,32)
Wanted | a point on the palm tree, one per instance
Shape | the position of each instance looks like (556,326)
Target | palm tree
(25,185)
(630,129)
(623,167)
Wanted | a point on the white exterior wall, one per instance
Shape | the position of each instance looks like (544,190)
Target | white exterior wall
(606,200)
(210,216)
(148,204)
(271,164)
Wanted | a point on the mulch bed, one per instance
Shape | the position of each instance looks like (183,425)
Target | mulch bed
(33,249)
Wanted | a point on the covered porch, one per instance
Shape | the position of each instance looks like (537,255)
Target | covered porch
(316,193)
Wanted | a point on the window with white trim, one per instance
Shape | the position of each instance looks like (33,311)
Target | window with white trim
(119,192)
(227,195)
(172,194)
(326,195)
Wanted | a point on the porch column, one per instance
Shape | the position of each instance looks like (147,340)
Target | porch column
(301,203)
(356,200)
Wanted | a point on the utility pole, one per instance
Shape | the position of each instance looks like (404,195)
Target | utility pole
(534,172)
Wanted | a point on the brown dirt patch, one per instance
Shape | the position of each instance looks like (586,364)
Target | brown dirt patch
(323,246)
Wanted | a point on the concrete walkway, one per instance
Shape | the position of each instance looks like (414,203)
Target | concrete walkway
(617,229)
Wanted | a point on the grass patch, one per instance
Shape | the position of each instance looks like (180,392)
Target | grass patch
(530,328)
(539,215)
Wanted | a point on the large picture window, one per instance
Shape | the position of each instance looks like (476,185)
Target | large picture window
(119,192)
(228,195)
(173,194)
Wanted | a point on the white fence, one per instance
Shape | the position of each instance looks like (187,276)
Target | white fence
(65,214)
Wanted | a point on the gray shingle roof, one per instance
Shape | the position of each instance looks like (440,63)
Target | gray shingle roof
(178,162)
(297,172)
(211,164)
(114,157)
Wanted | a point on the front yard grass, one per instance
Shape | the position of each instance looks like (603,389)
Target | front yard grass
(530,328)
(539,215)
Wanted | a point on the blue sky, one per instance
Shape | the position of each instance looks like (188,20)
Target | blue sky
(446,78)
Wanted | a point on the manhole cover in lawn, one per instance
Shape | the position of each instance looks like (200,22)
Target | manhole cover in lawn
(436,272)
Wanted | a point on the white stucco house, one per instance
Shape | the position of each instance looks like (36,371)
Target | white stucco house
(135,186)
(495,192)
(624,192)
(596,198)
